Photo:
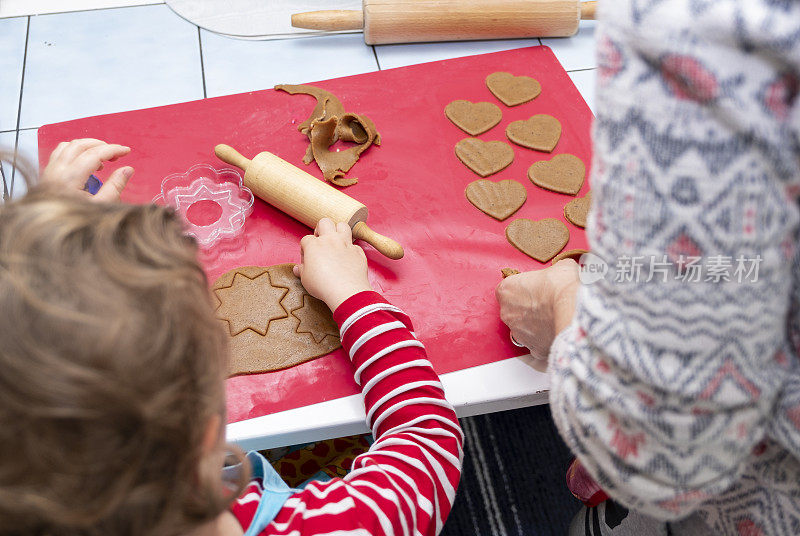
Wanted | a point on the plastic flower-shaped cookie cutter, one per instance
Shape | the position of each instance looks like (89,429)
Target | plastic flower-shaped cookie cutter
(212,202)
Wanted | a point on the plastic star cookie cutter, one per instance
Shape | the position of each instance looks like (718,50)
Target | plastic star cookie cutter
(213,203)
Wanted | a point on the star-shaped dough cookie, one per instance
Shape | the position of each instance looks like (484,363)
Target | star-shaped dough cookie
(250,303)
(315,319)
(249,298)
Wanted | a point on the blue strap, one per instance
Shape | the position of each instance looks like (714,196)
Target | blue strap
(276,493)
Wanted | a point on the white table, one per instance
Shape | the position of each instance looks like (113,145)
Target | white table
(503,385)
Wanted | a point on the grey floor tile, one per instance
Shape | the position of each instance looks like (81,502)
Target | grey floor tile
(12,52)
(97,62)
(391,56)
(236,65)
(578,51)
(585,82)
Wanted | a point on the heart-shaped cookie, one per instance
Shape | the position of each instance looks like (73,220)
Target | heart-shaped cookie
(497,199)
(541,240)
(473,117)
(484,157)
(513,90)
(564,173)
(540,132)
(574,254)
(576,210)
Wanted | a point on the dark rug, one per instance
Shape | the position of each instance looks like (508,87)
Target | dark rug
(514,477)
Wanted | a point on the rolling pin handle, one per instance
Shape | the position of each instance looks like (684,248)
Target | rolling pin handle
(384,244)
(229,155)
(329,20)
(588,10)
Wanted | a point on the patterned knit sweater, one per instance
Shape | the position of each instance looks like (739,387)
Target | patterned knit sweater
(681,395)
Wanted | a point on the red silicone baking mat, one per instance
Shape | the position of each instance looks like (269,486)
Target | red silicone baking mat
(413,185)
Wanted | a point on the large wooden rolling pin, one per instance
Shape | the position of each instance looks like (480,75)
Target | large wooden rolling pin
(409,21)
(304,197)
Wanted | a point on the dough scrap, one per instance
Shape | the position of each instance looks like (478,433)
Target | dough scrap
(334,164)
(305,330)
(327,124)
(508,272)
(328,105)
(574,254)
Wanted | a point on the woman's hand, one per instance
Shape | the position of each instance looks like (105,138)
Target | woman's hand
(332,267)
(538,305)
(72,163)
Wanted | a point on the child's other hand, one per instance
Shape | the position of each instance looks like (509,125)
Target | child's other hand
(73,162)
(332,267)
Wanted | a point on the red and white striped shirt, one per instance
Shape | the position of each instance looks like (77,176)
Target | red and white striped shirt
(406,483)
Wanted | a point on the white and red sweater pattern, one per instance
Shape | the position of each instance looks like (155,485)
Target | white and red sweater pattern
(405,484)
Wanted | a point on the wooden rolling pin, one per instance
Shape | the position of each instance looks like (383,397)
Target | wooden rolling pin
(304,197)
(409,21)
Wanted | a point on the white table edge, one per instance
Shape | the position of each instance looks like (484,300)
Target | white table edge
(503,385)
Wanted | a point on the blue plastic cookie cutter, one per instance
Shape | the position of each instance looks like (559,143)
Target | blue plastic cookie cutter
(92,185)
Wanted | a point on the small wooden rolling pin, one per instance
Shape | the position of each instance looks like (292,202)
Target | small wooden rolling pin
(409,21)
(304,197)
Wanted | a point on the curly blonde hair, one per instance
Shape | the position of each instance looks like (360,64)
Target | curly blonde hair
(111,367)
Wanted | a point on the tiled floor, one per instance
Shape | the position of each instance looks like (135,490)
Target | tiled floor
(12,53)
(576,52)
(390,56)
(76,64)
(15,8)
(585,80)
(238,65)
(97,62)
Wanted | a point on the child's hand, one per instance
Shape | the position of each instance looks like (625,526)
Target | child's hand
(332,267)
(73,162)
